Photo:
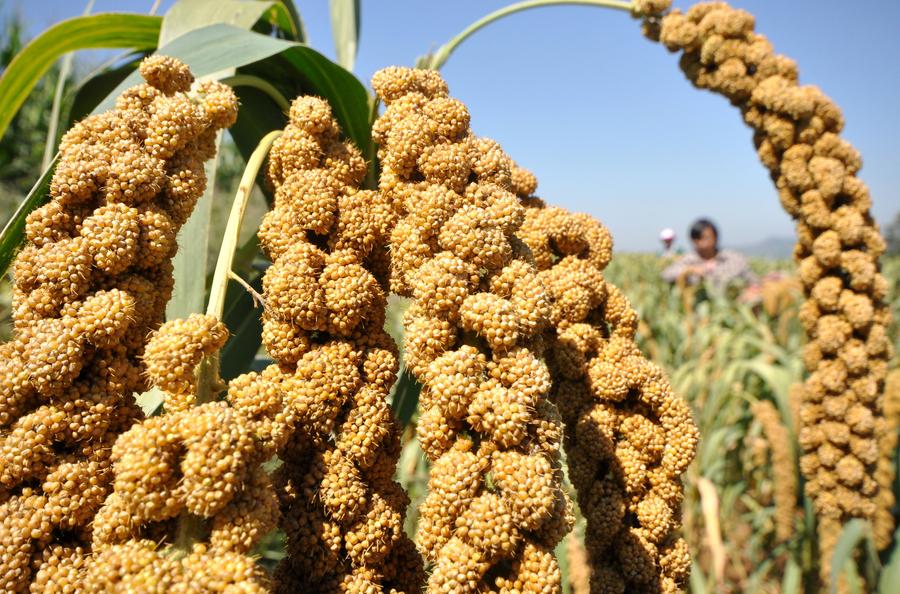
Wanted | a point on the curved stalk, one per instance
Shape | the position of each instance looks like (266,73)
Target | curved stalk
(209,383)
(371,152)
(248,80)
(437,60)
(233,228)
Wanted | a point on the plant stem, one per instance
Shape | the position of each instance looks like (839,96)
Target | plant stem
(233,229)
(436,61)
(248,80)
(209,383)
(258,300)
(371,153)
(190,528)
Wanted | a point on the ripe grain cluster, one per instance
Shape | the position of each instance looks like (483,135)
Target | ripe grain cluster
(520,345)
(628,436)
(495,508)
(341,509)
(91,282)
(797,135)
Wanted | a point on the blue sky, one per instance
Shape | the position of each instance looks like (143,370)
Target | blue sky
(607,120)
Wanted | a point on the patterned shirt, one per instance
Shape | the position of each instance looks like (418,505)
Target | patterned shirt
(724,268)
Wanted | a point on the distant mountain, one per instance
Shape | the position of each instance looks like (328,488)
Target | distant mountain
(771,247)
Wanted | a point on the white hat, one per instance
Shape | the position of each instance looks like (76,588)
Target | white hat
(667,234)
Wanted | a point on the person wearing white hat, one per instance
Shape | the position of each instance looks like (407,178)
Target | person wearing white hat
(667,237)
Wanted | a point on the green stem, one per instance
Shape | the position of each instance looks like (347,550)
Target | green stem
(216,304)
(436,61)
(209,382)
(191,528)
(248,80)
(372,156)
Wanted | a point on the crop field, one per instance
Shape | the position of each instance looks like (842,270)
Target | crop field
(725,357)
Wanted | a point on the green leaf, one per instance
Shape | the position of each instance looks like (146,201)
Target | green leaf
(406,397)
(97,87)
(779,381)
(712,446)
(698,583)
(111,30)
(14,232)
(184,16)
(299,31)
(348,98)
(345,21)
(408,463)
(258,116)
(207,50)
(855,531)
(562,556)
(242,316)
(793,578)
(187,15)
(212,49)
(55,111)
(247,257)
(189,294)
(890,575)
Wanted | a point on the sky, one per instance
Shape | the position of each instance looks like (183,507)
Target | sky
(606,119)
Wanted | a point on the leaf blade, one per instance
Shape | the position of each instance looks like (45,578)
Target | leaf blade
(14,231)
(854,532)
(187,15)
(190,265)
(297,28)
(110,30)
(405,397)
(349,100)
(92,91)
(890,574)
(345,24)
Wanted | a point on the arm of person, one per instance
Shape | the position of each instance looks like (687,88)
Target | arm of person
(677,269)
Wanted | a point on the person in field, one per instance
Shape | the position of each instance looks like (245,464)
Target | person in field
(717,267)
(667,238)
